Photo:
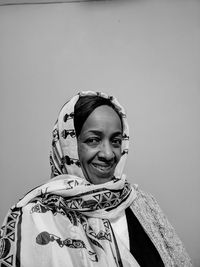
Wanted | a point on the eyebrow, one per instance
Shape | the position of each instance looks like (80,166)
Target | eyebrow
(99,132)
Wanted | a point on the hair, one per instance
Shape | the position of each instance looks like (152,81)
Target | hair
(84,107)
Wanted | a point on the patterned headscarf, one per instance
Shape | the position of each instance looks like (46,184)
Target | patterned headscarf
(67,219)
(64,156)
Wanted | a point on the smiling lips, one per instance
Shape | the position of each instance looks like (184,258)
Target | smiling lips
(103,168)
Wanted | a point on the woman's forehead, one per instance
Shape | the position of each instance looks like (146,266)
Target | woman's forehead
(103,118)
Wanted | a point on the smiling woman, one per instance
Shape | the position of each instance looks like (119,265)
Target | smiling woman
(88,214)
(99,141)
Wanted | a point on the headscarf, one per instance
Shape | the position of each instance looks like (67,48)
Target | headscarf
(64,155)
(66,222)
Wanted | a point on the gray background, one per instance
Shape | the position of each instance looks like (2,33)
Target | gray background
(146,53)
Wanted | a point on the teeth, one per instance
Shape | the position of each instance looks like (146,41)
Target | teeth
(102,168)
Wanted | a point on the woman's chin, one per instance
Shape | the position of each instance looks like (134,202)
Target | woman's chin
(100,180)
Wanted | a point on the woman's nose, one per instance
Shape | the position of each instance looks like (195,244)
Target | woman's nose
(106,151)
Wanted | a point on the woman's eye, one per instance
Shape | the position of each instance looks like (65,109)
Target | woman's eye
(117,141)
(93,141)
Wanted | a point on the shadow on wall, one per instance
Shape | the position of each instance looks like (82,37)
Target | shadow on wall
(20,2)
(32,2)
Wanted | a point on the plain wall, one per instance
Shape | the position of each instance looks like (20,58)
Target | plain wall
(146,53)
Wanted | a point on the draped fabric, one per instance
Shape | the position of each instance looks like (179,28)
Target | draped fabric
(66,220)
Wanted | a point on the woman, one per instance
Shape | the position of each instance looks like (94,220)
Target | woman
(88,214)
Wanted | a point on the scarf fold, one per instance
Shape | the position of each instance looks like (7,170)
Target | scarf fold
(101,201)
(67,220)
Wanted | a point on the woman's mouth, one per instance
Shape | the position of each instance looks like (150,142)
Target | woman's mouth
(103,168)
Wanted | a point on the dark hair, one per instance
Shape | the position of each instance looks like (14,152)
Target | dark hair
(84,107)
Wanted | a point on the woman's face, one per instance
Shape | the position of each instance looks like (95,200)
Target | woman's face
(99,145)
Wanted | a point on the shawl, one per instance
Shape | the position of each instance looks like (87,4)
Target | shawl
(66,221)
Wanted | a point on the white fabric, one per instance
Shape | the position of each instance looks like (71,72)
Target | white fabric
(120,228)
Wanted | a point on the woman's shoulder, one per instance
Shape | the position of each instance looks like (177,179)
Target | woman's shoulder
(156,224)
(144,198)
